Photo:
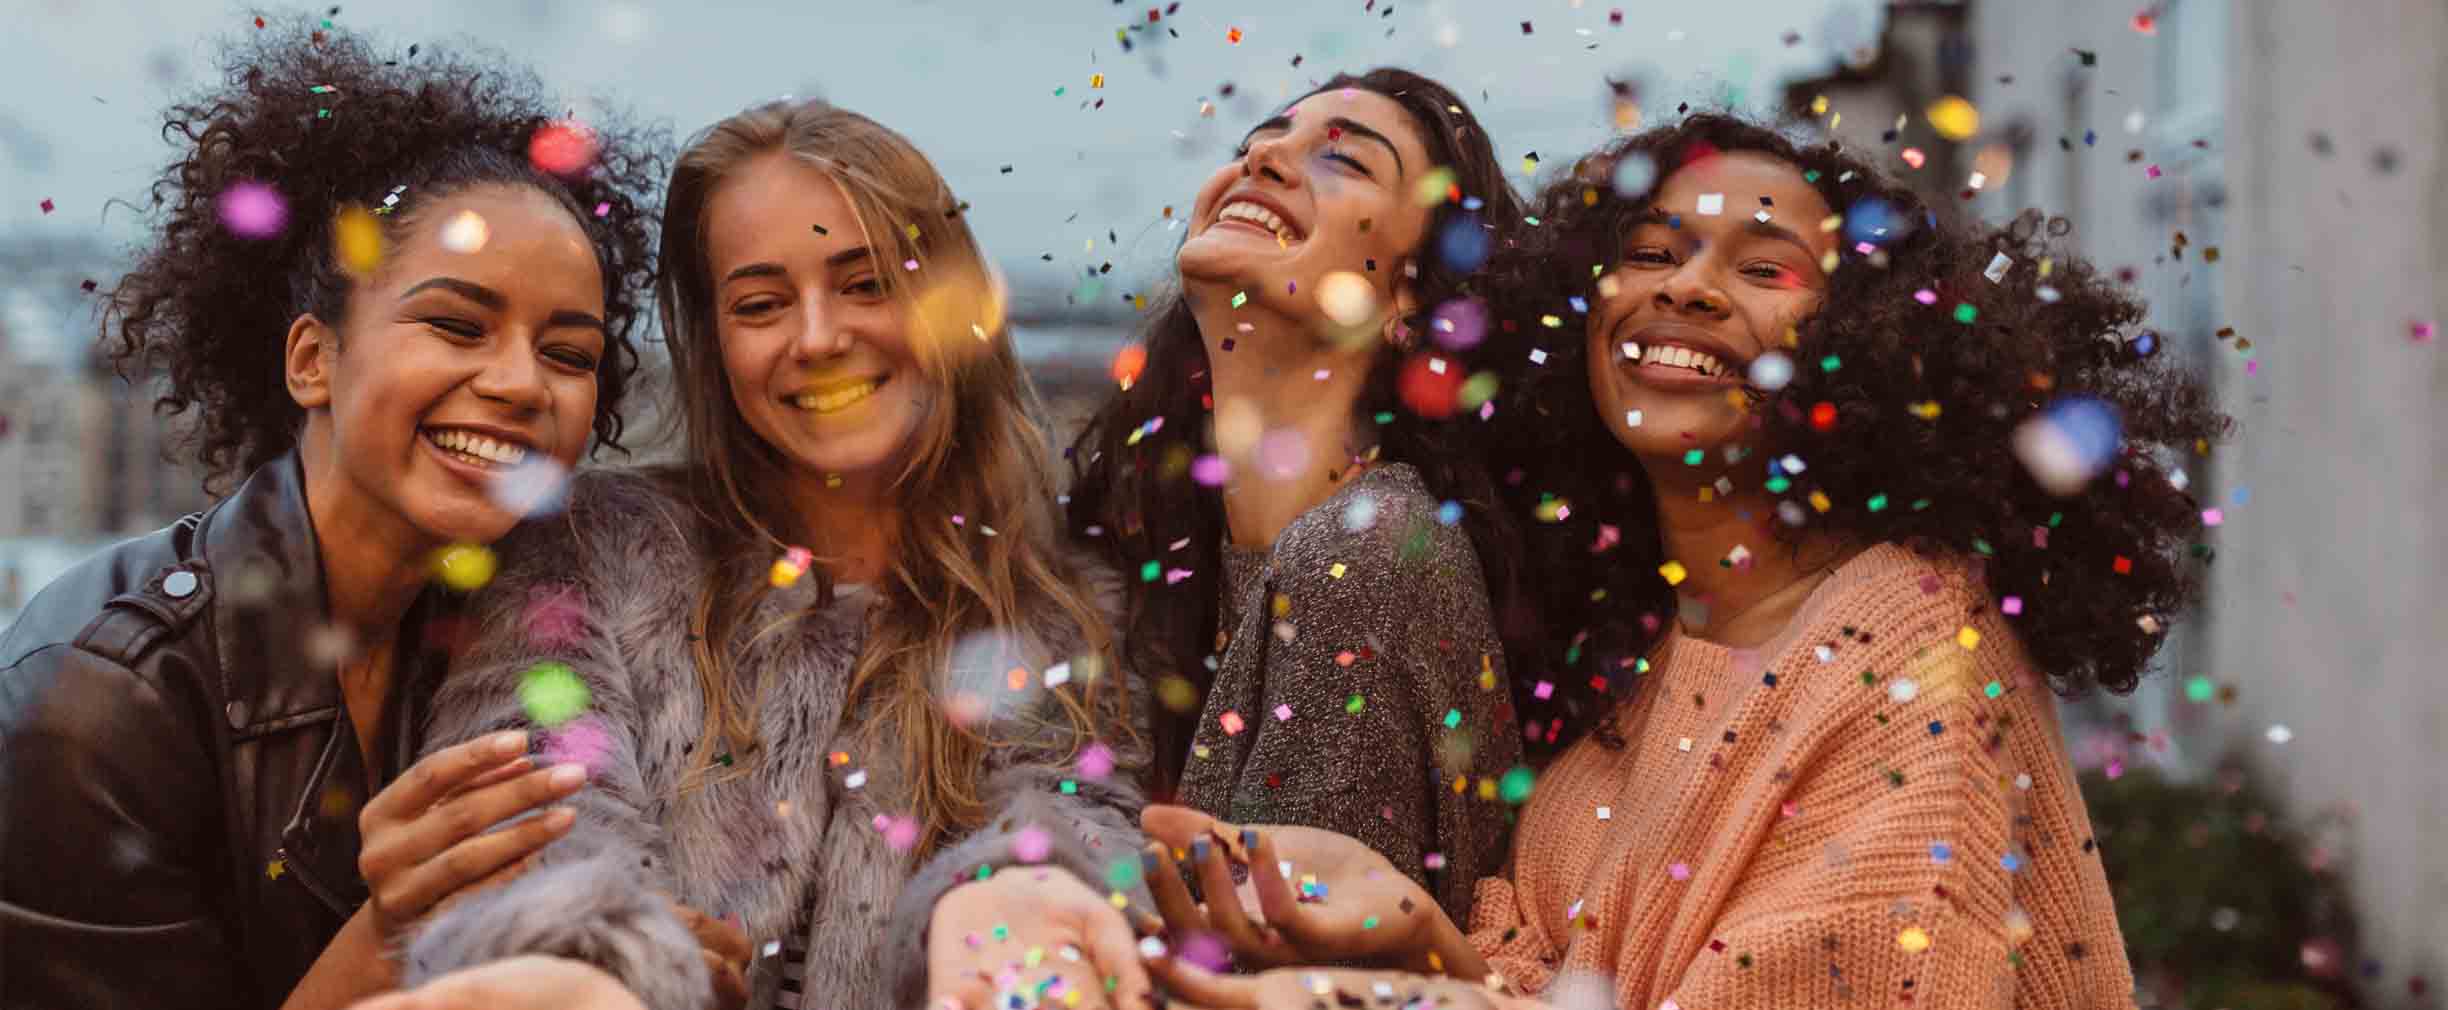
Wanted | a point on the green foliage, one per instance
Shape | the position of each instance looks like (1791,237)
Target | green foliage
(2215,894)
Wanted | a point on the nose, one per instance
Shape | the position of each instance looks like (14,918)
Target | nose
(1274,160)
(821,334)
(1691,289)
(512,377)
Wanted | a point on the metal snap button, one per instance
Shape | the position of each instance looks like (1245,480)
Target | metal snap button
(180,585)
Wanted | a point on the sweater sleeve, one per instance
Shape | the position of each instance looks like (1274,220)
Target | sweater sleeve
(1515,945)
(590,895)
(1047,803)
(1384,712)
(1888,877)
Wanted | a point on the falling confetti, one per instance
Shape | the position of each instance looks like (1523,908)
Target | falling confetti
(466,233)
(252,210)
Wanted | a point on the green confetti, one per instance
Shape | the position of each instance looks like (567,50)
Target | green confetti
(552,694)
(1453,718)
(1122,874)
(1994,689)
(1514,787)
(1353,705)
(2055,518)
(1385,417)
(1148,572)
(1878,503)
(1965,313)
(984,871)
(1920,503)
(1830,363)
(1240,298)
(1070,788)
(1369,923)
(1693,457)
(1776,484)
(2200,688)
(1983,547)
(1002,932)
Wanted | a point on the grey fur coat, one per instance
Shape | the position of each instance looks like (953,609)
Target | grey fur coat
(607,589)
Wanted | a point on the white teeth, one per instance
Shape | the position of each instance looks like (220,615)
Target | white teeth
(467,443)
(1254,214)
(835,399)
(1676,357)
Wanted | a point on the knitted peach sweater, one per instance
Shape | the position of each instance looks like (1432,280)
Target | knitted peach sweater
(1873,810)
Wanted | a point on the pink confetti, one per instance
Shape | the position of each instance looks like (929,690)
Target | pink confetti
(1544,690)
(1283,713)
(1608,536)
(1032,844)
(1096,762)
(2152,171)
(1679,871)
(899,832)
(48,206)
(1210,470)
(2422,330)
(556,618)
(2011,605)
(1926,296)
(1231,722)
(252,210)
(2213,517)
(1914,157)
(583,741)
(1433,860)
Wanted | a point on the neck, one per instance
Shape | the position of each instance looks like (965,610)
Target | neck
(1272,372)
(1739,599)
(847,519)
(374,562)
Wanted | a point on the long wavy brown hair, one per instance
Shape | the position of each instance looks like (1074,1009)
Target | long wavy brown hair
(978,456)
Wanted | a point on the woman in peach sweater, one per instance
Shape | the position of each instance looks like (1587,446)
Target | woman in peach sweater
(1838,499)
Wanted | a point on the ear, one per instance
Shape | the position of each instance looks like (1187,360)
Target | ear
(1405,305)
(306,361)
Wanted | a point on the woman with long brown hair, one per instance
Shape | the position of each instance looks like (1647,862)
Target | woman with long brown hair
(837,663)
(1295,480)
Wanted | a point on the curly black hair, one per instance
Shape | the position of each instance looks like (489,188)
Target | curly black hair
(1911,380)
(316,114)
(1130,506)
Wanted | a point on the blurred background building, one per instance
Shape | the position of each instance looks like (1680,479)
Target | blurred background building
(2271,174)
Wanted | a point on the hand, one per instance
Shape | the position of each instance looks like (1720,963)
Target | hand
(425,837)
(1362,907)
(533,982)
(1194,988)
(1038,908)
(725,949)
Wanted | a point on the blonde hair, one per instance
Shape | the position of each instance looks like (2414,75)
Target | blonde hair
(976,460)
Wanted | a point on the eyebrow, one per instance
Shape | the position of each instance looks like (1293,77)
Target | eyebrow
(771,269)
(494,301)
(1344,123)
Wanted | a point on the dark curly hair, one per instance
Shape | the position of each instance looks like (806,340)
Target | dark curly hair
(1908,439)
(1129,505)
(316,114)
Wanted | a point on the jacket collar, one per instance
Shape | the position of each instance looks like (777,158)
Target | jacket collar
(267,569)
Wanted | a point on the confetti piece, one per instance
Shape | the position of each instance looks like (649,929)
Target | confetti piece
(1032,844)
(1674,572)
(358,239)
(1131,360)
(1968,638)
(1096,763)
(1347,298)
(464,567)
(48,206)
(1913,940)
(252,210)
(1953,117)
(551,693)
(466,233)
(564,148)
(1231,721)
(1710,204)
(2069,443)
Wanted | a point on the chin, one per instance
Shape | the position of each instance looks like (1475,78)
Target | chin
(463,522)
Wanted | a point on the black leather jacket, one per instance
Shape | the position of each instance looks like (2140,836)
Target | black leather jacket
(179,782)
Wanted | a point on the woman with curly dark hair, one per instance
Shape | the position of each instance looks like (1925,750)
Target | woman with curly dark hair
(399,297)
(1294,479)
(1823,544)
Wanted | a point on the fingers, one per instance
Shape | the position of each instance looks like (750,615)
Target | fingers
(1224,912)
(1277,899)
(1190,983)
(438,773)
(396,848)
(503,772)
(1115,952)
(730,984)
(408,894)
(1173,901)
(1176,826)
(717,936)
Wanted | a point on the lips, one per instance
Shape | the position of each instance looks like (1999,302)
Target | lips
(834,398)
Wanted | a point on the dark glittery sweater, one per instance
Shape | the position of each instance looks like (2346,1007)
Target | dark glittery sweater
(1362,687)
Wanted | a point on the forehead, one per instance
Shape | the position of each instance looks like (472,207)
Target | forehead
(1741,178)
(1370,109)
(527,238)
(776,202)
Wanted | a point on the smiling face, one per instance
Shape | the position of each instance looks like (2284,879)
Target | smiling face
(1326,187)
(459,362)
(1717,272)
(815,347)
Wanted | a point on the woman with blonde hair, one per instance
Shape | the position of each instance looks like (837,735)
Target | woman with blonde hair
(835,666)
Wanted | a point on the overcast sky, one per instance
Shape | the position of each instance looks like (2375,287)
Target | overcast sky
(973,82)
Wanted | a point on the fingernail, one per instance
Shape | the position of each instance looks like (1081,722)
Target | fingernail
(560,817)
(1249,840)
(506,744)
(567,776)
(1148,863)
(1199,848)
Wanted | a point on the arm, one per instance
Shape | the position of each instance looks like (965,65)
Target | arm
(109,806)
(1088,829)
(590,895)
